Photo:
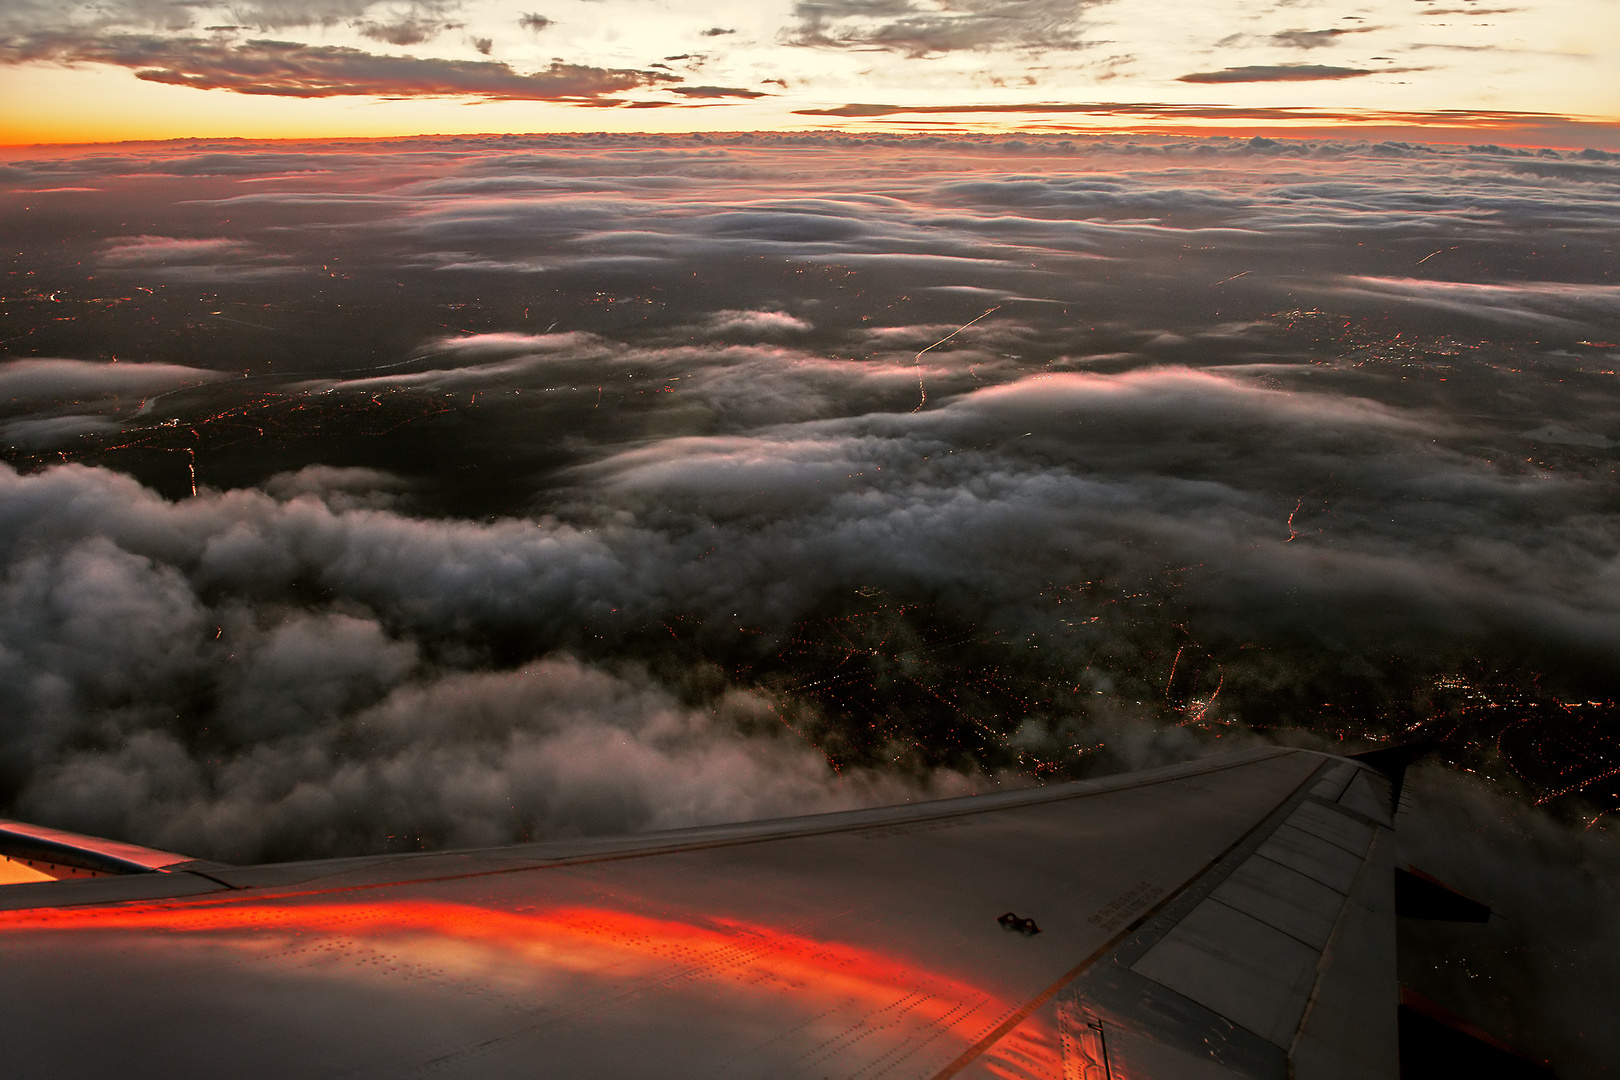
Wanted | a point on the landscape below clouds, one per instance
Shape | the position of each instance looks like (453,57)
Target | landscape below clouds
(374,496)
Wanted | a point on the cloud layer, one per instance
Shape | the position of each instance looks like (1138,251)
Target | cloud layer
(451,491)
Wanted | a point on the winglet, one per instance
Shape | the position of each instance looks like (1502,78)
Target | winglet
(1393,761)
(1420,896)
(1436,1043)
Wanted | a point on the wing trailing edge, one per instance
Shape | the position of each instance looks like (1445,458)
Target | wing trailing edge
(1232,917)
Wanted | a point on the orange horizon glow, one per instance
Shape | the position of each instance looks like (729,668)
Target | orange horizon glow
(1575,135)
(97,107)
(1570,134)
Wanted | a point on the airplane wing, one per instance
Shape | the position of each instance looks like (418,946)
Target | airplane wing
(1232,917)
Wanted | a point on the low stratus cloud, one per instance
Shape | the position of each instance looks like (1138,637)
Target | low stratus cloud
(1564,305)
(40,380)
(44,432)
(171,259)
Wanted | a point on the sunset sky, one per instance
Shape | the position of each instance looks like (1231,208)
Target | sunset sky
(1447,70)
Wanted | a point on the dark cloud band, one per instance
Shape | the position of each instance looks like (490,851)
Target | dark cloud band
(291,69)
(1285,73)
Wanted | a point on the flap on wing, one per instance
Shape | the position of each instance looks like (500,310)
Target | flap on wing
(35,853)
(1281,964)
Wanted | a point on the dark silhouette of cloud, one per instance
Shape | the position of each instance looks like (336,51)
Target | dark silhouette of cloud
(1280,73)
(718,92)
(257,14)
(284,14)
(402,21)
(534,22)
(402,32)
(1317,39)
(290,69)
(915,29)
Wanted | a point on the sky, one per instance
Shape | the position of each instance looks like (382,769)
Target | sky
(1524,72)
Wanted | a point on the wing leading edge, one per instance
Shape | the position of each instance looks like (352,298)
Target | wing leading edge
(1226,918)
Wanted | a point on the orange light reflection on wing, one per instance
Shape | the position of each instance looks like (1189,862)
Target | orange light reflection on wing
(17,873)
(712,943)
(608,943)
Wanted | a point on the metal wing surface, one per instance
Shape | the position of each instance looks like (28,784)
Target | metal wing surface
(1227,918)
